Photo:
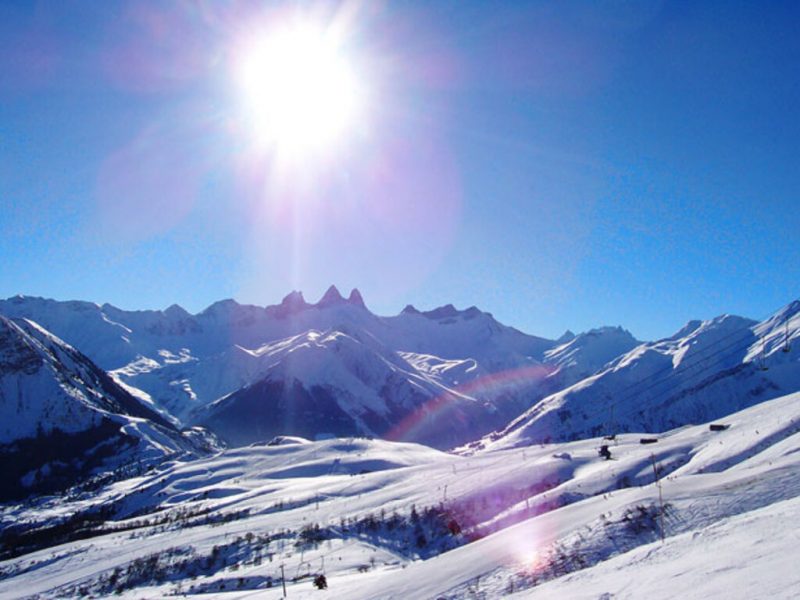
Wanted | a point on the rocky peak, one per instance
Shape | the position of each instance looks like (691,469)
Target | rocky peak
(356,299)
(331,298)
(294,299)
(567,336)
(410,310)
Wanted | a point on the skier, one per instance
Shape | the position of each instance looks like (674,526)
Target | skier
(605,452)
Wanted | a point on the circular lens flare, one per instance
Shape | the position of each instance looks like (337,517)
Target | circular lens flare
(300,92)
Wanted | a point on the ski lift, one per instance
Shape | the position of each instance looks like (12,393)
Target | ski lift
(762,363)
(611,436)
(786,346)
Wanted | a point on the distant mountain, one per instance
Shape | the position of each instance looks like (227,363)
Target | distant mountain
(705,371)
(184,362)
(114,338)
(443,376)
(61,417)
(352,384)
(332,383)
(584,354)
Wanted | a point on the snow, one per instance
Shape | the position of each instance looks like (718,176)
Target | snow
(729,496)
(754,556)
(42,385)
(530,511)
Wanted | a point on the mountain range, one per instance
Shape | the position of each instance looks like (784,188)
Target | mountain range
(444,377)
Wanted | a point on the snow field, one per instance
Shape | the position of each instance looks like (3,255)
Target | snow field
(531,508)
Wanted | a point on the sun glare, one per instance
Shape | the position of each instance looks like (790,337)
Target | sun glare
(299,90)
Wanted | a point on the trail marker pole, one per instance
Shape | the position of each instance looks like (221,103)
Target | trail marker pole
(660,496)
(283,581)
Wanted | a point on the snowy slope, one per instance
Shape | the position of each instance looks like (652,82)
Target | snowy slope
(583,355)
(753,558)
(555,521)
(588,352)
(61,416)
(705,371)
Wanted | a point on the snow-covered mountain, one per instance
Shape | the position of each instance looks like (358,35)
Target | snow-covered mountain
(584,354)
(706,370)
(115,338)
(61,417)
(331,383)
(185,362)
(440,376)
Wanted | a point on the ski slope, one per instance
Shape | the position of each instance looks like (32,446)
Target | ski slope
(544,520)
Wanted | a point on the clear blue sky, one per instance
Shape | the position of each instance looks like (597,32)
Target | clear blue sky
(561,165)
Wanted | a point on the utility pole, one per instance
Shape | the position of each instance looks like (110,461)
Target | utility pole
(611,419)
(660,497)
(283,581)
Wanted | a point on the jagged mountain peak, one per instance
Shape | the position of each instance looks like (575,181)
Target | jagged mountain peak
(294,299)
(588,352)
(686,330)
(442,312)
(608,329)
(331,297)
(597,335)
(292,303)
(356,298)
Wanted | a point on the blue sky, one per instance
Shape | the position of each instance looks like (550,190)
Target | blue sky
(561,165)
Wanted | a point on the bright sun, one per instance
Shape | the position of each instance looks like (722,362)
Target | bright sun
(300,92)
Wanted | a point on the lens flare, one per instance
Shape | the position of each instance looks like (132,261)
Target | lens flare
(300,91)
(440,408)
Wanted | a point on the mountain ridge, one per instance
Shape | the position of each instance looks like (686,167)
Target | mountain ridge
(62,417)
